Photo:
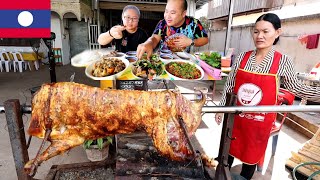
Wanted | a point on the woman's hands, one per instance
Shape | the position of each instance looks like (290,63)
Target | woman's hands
(116,31)
(218,118)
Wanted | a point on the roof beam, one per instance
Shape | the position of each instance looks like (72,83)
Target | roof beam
(141,6)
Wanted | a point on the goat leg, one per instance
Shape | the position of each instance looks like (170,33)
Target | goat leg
(56,147)
(33,164)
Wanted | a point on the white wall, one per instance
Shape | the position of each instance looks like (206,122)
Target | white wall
(66,47)
(61,41)
(304,59)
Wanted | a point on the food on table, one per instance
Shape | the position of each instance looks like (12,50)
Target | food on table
(171,45)
(148,69)
(213,59)
(67,114)
(132,58)
(85,58)
(165,51)
(131,53)
(166,56)
(112,54)
(183,55)
(107,67)
(183,70)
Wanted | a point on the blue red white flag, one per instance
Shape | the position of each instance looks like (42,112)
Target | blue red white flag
(25,19)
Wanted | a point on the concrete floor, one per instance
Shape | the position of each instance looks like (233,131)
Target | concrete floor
(17,86)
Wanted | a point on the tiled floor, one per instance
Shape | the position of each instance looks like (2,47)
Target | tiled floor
(17,85)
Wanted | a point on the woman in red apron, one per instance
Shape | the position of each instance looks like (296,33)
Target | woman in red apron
(255,80)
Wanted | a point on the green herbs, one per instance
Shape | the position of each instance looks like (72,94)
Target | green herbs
(213,59)
(99,142)
(148,68)
(183,70)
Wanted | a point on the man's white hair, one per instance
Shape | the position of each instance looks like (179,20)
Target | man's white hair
(135,8)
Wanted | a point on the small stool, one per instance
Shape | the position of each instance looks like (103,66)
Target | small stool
(57,56)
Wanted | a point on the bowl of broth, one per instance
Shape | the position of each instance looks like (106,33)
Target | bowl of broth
(132,59)
(166,58)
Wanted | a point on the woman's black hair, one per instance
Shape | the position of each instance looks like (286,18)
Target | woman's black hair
(274,20)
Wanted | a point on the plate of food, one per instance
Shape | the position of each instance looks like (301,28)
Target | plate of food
(106,53)
(184,70)
(85,58)
(183,55)
(171,45)
(148,69)
(165,51)
(131,53)
(166,58)
(107,68)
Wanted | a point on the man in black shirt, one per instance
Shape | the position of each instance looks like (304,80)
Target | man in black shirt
(127,36)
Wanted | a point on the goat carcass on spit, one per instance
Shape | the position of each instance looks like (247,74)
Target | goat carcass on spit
(67,114)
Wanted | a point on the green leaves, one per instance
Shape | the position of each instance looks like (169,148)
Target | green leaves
(154,63)
(99,142)
(213,59)
(87,144)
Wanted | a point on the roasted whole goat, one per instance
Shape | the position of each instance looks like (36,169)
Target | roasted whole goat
(67,114)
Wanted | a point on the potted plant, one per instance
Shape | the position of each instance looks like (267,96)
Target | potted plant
(98,149)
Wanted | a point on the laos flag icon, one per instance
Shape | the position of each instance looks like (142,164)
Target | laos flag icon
(25,19)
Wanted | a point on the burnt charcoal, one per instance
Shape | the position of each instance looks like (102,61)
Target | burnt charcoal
(87,174)
(139,162)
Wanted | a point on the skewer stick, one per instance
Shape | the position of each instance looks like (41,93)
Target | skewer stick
(240,109)
(196,155)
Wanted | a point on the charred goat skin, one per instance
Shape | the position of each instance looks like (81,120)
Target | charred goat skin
(76,112)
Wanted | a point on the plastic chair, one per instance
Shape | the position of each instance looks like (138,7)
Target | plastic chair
(285,97)
(5,60)
(18,60)
(1,63)
(36,64)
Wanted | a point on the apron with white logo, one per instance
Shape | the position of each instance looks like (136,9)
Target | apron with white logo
(252,130)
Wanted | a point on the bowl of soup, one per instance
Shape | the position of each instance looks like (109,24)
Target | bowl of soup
(131,53)
(166,58)
(132,59)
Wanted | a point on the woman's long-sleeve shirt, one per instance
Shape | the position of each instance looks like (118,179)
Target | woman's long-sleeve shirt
(286,75)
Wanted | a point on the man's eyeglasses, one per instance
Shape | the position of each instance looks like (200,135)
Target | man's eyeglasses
(127,18)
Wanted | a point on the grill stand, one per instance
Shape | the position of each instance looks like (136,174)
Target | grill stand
(197,155)
(222,171)
(13,112)
(17,136)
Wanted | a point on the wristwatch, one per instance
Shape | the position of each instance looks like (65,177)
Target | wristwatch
(192,43)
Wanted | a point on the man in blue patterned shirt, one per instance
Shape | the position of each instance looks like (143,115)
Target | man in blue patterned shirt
(176,31)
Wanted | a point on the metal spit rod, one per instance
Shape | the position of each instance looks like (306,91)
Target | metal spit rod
(239,109)
(234,109)
(25,109)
